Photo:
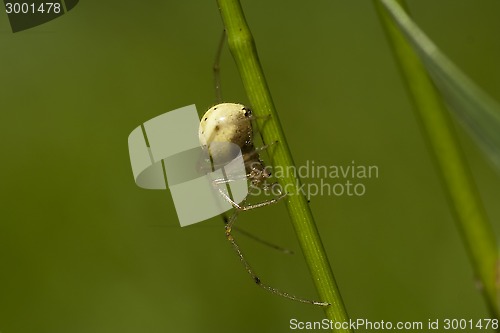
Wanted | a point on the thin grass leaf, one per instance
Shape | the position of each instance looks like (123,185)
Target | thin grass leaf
(244,51)
(439,130)
(475,110)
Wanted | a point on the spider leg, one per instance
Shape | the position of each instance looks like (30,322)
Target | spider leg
(216,68)
(240,207)
(252,156)
(228,228)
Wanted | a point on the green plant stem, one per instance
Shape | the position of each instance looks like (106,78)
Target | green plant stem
(439,130)
(242,47)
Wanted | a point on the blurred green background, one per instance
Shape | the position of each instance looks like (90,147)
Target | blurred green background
(83,249)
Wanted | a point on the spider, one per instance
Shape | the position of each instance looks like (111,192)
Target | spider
(232,123)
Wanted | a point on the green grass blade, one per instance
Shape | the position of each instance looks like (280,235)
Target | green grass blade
(478,113)
(439,130)
(244,52)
